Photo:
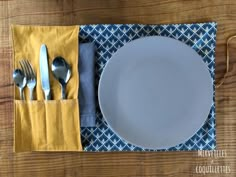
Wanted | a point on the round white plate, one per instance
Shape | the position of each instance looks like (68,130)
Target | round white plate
(155,92)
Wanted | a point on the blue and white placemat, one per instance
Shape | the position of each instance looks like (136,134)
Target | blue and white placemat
(109,38)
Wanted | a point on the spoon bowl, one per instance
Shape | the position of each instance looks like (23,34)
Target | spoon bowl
(62,72)
(20,81)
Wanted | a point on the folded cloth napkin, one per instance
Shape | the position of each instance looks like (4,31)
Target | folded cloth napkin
(87,85)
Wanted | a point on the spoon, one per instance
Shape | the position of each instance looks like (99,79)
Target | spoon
(62,72)
(20,81)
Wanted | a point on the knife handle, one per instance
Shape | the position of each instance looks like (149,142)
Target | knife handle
(47,94)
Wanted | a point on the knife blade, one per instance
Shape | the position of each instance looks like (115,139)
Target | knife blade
(44,73)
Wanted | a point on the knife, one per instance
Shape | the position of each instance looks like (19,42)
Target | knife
(44,74)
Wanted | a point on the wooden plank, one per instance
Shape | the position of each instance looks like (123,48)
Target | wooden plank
(60,12)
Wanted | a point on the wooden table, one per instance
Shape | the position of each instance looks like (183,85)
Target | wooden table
(59,12)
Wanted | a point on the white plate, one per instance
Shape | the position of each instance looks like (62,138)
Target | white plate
(155,92)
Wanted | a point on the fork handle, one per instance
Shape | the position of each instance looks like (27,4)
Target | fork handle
(31,94)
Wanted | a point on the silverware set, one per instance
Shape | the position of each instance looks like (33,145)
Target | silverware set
(26,76)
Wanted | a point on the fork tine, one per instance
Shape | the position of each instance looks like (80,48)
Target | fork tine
(31,69)
(23,68)
(21,65)
(27,68)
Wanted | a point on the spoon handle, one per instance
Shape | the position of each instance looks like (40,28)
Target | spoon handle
(21,94)
(63,91)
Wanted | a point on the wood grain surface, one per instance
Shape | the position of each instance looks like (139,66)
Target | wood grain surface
(119,164)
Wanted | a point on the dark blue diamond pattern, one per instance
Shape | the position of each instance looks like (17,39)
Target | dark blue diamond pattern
(109,38)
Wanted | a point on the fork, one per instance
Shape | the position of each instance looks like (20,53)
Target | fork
(30,76)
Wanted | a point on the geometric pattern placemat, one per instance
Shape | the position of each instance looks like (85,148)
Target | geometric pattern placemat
(109,38)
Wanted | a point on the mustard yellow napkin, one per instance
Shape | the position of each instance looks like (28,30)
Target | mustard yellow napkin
(47,125)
